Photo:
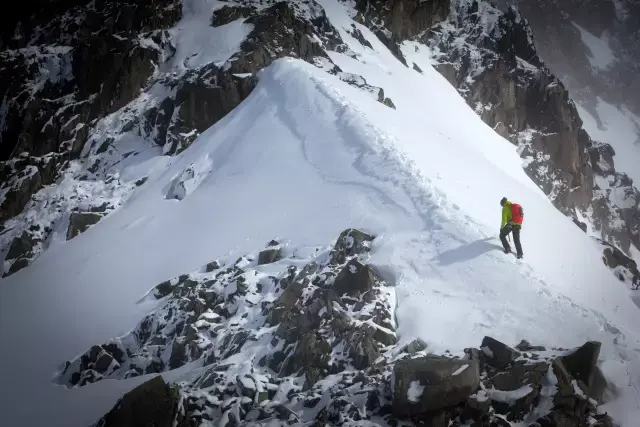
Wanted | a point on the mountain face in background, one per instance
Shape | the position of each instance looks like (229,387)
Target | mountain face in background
(109,107)
(592,46)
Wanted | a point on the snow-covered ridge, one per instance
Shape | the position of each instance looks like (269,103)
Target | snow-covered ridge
(304,155)
(189,84)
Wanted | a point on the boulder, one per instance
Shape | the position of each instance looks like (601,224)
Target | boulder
(415,346)
(425,385)
(269,255)
(363,349)
(79,222)
(153,403)
(581,364)
(21,246)
(525,345)
(614,257)
(498,355)
(354,279)
(311,356)
(522,382)
(351,242)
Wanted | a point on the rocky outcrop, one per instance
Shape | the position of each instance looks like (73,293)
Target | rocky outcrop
(153,403)
(625,268)
(200,320)
(404,18)
(62,69)
(281,30)
(66,70)
(431,384)
(24,249)
(312,342)
(558,25)
(79,222)
(203,97)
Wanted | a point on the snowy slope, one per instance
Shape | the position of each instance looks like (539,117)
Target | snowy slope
(304,157)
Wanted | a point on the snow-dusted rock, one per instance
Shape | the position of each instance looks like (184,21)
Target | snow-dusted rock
(151,403)
(430,384)
(498,354)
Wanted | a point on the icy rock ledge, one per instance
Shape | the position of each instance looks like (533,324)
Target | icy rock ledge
(306,336)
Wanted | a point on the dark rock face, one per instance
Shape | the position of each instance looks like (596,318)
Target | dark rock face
(90,74)
(498,354)
(79,222)
(559,41)
(227,14)
(153,403)
(24,249)
(431,384)
(268,256)
(624,267)
(403,18)
(279,31)
(497,396)
(203,97)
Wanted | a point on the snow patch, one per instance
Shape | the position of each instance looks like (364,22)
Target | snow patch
(415,391)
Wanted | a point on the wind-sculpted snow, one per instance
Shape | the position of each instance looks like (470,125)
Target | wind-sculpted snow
(211,163)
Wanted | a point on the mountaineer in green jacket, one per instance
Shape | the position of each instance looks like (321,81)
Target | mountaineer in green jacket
(512,218)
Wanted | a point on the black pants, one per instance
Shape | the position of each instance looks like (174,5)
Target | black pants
(515,228)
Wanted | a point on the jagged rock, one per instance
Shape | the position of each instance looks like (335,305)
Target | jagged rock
(204,97)
(355,279)
(614,257)
(212,266)
(498,354)
(363,348)
(429,384)
(350,242)
(277,32)
(415,346)
(79,222)
(582,225)
(25,249)
(525,345)
(153,403)
(21,246)
(519,377)
(227,14)
(269,255)
(312,355)
(404,18)
(582,363)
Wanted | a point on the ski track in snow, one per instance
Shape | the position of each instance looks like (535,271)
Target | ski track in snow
(304,157)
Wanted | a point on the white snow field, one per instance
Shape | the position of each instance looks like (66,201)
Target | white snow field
(303,158)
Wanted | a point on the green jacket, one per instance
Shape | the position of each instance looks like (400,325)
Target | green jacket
(506,214)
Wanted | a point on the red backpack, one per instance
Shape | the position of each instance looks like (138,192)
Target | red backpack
(517,213)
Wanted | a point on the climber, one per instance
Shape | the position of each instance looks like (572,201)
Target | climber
(512,217)
(635,282)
